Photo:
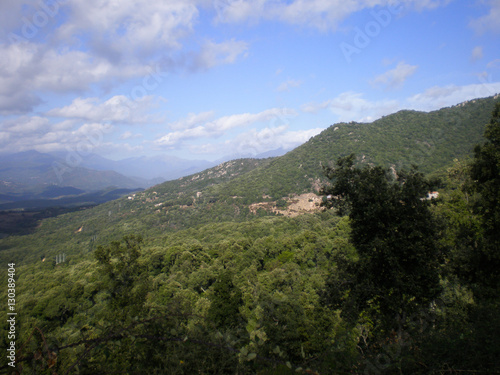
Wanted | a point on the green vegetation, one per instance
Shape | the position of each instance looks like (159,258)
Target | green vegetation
(395,236)
(430,140)
(184,279)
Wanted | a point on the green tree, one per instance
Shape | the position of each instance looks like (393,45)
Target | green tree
(394,234)
(225,302)
(485,173)
(124,277)
(471,321)
(462,233)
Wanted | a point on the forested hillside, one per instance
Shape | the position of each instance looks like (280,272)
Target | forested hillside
(190,277)
(429,140)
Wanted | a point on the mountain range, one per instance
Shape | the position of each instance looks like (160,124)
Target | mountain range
(32,175)
(32,171)
(239,265)
(157,168)
(231,190)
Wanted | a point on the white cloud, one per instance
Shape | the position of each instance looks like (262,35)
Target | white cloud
(67,124)
(312,107)
(25,125)
(27,68)
(18,102)
(396,77)
(26,19)
(129,26)
(428,4)
(239,10)
(322,14)
(71,71)
(174,138)
(245,119)
(477,53)
(100,42)
(129,135)
(288,85)
(319,14)
(192,120)
(272,138)
(4,138)
(119,108)
(105,42)
(221,125)
(259,141)
(494,64)
(91,131)
(351,106)
(28,133)
(439,97)
(489,22)
(213,54)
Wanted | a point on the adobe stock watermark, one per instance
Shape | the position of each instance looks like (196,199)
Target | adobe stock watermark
(428,144)
(149,83)
(221,7)
(391,352)
(364,36)
(279,120)
(420,153)
(282,118)
(485,88)
(94,138)
(11,314)
(47,11)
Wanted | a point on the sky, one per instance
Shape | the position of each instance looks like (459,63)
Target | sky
(204,79)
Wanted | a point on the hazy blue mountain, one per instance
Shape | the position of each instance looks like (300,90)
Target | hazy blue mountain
(32,171)
(157,168)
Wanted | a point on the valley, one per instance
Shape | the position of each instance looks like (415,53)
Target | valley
(242,268)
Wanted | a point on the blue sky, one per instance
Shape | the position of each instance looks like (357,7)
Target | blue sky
(202,79)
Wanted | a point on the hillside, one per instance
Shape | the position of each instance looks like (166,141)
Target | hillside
(228,270)
(429,140)
(227,191)
(166,207)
